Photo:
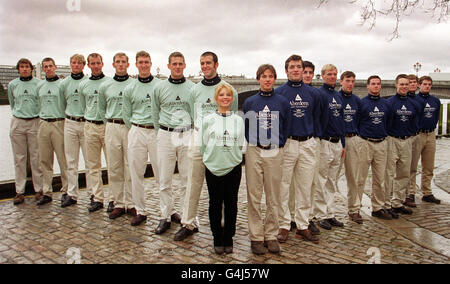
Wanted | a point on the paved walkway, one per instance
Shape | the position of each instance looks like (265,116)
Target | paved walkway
(52,234)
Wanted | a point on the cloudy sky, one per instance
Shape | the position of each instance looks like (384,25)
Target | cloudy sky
(244,33)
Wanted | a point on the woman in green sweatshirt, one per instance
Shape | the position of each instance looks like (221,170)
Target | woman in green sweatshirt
(223,138)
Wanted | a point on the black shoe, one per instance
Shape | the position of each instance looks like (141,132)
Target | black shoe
(313,229)
(68,202)
(176,218)
(64,197)
(92,199)
(324,224)
(410,201)
(182,234)
(382,214)
(95,206)
(430,198)
(402,210)
(334,222)
(110,207)
(162,227)
(392,213)
(293,226)
(44,200)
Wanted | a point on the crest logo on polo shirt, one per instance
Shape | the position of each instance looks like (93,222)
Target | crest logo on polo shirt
(298,98)
(335,107)
(95,92)
(25,92)
(334,101)
(428,111)
(427,105)
(349,113)
(120,94)
(49,92)
(348,107)
(178,98)
(266,109)
(404,113)
(376,115)
(208,101)
(226,133)
(403,107)
(376,109)
(148,96)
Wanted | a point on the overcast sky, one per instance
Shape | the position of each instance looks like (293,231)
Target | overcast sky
(244,34)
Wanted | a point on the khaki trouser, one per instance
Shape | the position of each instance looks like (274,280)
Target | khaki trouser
(195,179)
(299,161)
(397,171)
(330,155)
(24,139)
(73,141)
(315,186)
(427,151)
(51,140)
(415,155)
(352,167)
(172,147)
(141,144)
(94,136)
(371,155)
(116,142)
(263,174)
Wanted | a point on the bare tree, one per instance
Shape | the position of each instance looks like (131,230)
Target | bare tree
(438,10)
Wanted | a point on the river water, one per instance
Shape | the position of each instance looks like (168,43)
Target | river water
(7,162)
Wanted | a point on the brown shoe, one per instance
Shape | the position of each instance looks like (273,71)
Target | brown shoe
(410,201)
(283,235)
(138,219)
(356,217)
(272,246)
(18,199)
(176,218)
(258,248)
(116,213)
(132,212)
(307,236)
(38,195)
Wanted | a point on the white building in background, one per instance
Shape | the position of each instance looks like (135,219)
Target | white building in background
(439,76)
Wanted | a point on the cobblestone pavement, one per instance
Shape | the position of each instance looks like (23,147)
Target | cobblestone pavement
(51,234)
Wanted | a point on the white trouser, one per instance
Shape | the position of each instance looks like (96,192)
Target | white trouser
(315,185)
(172,147)
(116,142)
(141,144)
(195,180)
(299,160)
(94,135)
(330,156)
(73,141)
(24,141)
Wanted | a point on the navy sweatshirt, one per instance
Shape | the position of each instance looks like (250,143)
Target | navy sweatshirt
(352,107)
(374,117)
(415,99)
(430,113)
(267,119)
(304,108)
(332,116)
(404,112)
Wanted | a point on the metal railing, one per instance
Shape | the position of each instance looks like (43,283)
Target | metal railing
(443,124)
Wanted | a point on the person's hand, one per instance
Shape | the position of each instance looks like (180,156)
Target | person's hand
(343,153)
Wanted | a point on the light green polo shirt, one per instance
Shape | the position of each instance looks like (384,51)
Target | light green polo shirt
(111,97)
(90,90)
(51,100)
(137,102)
(75,101)
(171,106)
(223,139)
(23,98)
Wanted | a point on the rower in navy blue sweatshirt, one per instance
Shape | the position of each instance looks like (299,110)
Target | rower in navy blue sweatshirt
(299,157)
(427,125)
(374,117)
(399,146)
(331,151)
(266,117)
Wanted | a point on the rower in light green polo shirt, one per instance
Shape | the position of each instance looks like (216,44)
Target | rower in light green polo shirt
(51,100)
(23,98)
(90,91)
(111,96)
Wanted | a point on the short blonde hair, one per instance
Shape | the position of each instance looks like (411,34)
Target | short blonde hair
(328,67)
(120,54)
(79,58)
(220,88)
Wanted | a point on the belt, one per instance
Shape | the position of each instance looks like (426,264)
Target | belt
(332,139)
(27,118)
(177,129)
(52,119)
(300,138)
(79,119)
(350,134)
(426,130)
(118,121)
(95,121)
(375,140)
(267,147)
(401,137)
(143,126)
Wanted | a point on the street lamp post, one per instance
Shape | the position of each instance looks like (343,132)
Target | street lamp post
(417,67)
(437,70)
